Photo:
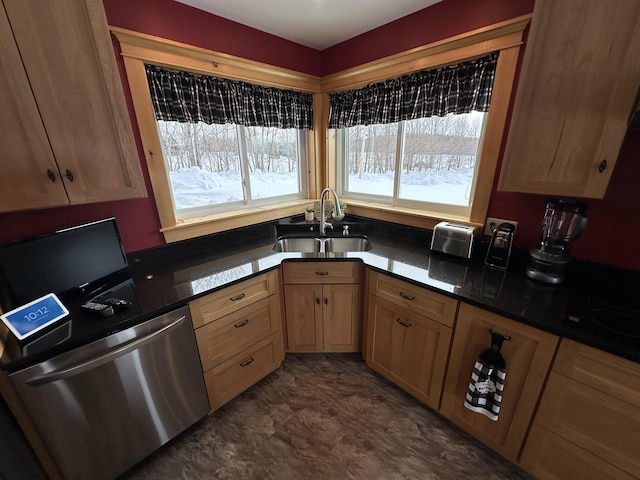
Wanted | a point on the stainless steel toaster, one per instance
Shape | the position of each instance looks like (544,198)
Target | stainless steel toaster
(454,239)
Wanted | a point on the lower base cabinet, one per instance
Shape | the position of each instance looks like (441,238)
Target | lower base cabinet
(528,355)
(240,335)
(408,333)
(407,348)
(588,422)
(322,306)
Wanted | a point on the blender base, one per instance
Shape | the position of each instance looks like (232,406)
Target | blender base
(546,277)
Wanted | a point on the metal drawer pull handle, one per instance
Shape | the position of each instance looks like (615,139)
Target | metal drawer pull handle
(406,297)
(242,323)
(404,324)
(51,175)
(69,175)
(318,301)
(322,274)
(326,301)
(247,363)
(237,297)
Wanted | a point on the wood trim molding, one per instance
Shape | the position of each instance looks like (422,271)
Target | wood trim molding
(170,54)
(444,52)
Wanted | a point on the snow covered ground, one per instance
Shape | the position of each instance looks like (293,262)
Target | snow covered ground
(193,187)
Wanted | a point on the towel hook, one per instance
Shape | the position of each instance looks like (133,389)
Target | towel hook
(497,339)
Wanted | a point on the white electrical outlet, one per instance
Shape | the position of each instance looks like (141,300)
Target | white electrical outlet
(492,223)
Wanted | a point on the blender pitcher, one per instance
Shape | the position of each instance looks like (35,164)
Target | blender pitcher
(564,220)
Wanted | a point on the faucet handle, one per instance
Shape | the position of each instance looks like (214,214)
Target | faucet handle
(345,230)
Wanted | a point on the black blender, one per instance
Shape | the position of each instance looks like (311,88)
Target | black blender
(564,220)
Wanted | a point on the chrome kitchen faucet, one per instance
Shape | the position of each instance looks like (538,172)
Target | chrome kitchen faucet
(336,205)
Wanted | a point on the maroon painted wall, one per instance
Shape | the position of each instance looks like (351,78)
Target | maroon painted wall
(614,223)
(440,21)
(179,22)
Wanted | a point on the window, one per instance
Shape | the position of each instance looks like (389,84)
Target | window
(427,163)
(413,141)
(228,145)
(222,167)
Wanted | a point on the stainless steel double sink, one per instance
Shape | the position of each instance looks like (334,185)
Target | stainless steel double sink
(314,244)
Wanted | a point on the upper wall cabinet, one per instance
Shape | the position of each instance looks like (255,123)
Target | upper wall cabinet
(576,92)
(65,132)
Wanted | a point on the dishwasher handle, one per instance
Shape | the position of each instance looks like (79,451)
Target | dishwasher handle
(105,358)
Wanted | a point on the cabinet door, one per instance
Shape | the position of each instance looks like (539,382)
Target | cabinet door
(341,318)
(26,155)
(409,349)
(303,311)
(528,355)
(578,85)
(68,55)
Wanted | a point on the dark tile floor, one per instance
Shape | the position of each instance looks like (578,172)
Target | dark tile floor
(324,416)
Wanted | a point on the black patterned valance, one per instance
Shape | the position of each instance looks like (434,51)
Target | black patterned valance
(189,98)
(458,88)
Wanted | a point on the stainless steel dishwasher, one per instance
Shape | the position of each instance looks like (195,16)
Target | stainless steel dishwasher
(106,405)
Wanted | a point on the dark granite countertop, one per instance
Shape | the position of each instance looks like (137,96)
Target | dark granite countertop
(164,278)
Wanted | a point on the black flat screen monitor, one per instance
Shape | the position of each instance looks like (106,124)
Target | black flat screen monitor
(62,262)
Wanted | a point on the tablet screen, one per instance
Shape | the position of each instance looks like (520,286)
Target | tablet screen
(34,316)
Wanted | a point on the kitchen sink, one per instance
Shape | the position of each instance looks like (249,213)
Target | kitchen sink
(347,244)
(298,244)
(355,243)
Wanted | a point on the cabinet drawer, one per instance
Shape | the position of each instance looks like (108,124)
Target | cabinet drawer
(422,301)
(232,377)
(551,457)
(228,300)
(598,423)
(230,335)
(321,272)
(602,371)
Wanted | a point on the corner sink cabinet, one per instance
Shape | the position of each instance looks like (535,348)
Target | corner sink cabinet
(588,422)
(322,305)
(239,334)
(528,356)
(64,124)
(408,335)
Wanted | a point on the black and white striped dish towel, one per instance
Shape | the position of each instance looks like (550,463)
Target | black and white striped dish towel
(484,394)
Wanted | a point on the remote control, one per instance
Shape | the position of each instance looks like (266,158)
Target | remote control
(98,309)
(117,302)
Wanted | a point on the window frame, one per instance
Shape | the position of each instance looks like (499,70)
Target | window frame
(507,37)
(138,49)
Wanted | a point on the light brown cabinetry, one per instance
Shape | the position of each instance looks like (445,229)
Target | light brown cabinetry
(528,355)
(588,422)
(575,96)
(239,335)
(64,125)
(322,306)
(408,335)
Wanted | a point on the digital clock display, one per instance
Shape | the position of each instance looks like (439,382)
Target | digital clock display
(34,316)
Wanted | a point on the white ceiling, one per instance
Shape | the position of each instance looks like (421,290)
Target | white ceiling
(315,23)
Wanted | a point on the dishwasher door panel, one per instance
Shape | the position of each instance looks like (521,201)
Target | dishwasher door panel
(105,406)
